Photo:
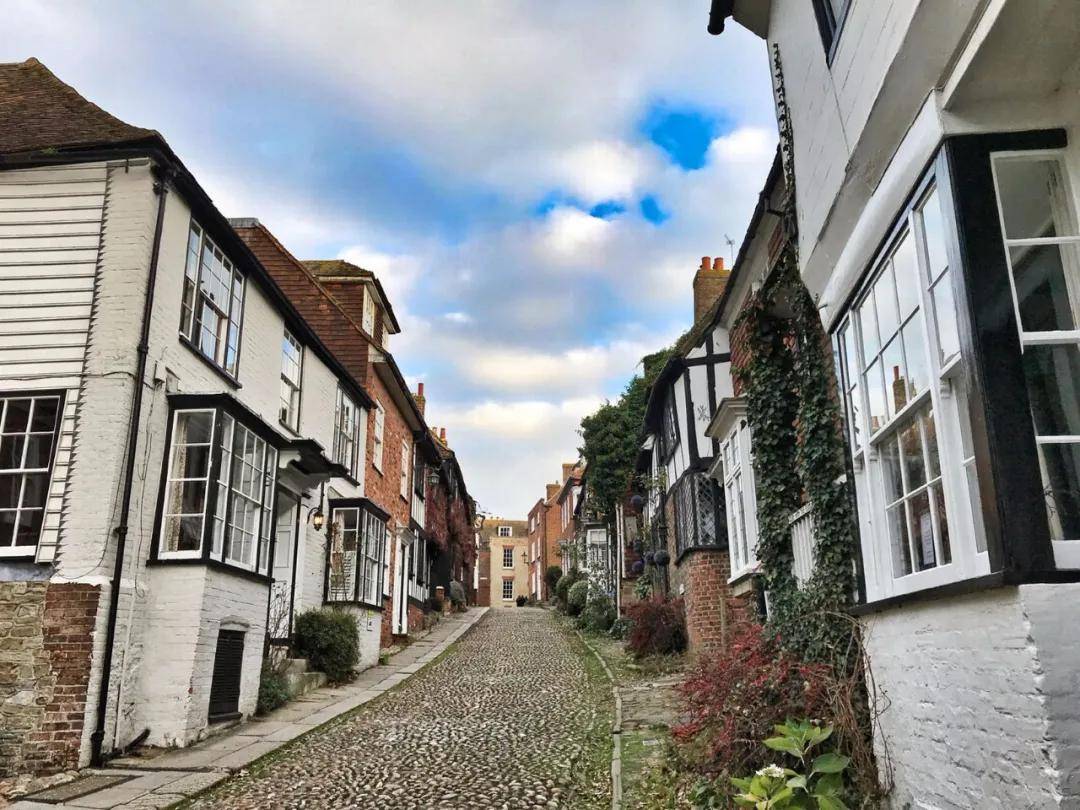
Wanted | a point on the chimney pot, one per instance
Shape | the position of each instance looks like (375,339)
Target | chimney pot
(705,262)
(718,263)
(442,435)
(419,389)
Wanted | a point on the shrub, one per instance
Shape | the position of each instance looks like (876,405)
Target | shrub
(562,587)
(552,576)
(576,597)
(658,627)
(620,628)
(643,587)
(599,614)
(273,690)
(457,595)
(734,698)
(327,639)
(521,600)
(435,604)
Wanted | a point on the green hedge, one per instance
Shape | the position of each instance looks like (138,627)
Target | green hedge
(327,639)
(577,597)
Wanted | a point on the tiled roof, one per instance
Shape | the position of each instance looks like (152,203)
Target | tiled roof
(38,112)
(330,321)
(330,270)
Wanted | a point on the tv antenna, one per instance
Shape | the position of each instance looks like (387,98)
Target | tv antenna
(731,248)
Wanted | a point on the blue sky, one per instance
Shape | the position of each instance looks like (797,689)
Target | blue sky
(534,181)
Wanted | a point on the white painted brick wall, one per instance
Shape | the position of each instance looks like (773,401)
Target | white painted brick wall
(982,698)
(169,616)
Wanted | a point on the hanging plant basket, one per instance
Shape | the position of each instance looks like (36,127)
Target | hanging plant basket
(662,557)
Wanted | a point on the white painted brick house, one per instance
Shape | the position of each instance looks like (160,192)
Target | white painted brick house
(936,152)
(159,393)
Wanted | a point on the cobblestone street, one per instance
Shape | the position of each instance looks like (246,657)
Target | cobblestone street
(516,715)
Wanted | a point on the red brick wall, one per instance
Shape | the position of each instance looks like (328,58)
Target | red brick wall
(711,608)
(384,488)
(46,646)
(740,352)
(483,592)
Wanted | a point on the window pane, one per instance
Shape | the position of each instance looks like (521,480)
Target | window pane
(1032,197)
(896,386)
(875,391)
(930,437)
(943,524)
(912,450)
(885,303)
(35,490)
(922,530)
(934,229)
(38,451)
(907,275)
(850,364)
(44,415)
(193,427)
(1061,480)
(890,465)
(11,452)
(10,486)
(17,415)
(918,376)
(29,527)
(945,309)
(1053,383)
(1041,288)
(898,538)
(868,326)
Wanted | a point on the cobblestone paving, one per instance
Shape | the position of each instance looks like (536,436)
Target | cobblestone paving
(515,716)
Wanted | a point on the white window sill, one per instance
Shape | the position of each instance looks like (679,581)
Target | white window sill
(20,553)
(744,574)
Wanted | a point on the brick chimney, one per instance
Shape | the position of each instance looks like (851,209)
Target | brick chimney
(419,397)
(553,490)
(709,282)
(567,471)
(442,436)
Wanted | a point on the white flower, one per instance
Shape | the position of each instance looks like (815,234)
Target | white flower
(771,771)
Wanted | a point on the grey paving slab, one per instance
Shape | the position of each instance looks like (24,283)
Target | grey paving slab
(245,756)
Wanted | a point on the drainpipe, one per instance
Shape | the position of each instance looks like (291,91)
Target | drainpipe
(98,737)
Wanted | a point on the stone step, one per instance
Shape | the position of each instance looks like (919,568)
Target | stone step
(300,683)
(294,665)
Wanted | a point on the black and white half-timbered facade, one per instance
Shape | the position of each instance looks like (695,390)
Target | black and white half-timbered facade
(684,536)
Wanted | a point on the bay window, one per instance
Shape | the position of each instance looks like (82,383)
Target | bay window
(1042,252)
(29,431)
(212,303)
(217,501)
(699,513)
(902,382)
(355,561)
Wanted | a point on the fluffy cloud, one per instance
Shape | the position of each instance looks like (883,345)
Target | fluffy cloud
(417,140)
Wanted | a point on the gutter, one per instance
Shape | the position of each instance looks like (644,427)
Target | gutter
(97,738)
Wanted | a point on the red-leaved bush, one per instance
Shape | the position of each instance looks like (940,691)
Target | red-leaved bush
(658,627)
(733,698)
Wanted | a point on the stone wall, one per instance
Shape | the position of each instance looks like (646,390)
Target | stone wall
(46,644)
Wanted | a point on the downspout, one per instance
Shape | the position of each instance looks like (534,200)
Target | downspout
(98,737)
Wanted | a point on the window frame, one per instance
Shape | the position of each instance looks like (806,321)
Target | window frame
(372,535)
(507,581)
(405,468)
(190,329)
(288,415)
(740,495)
(670,435)
(28,550)
(687,494)
(1066,552)
(378,437)
(353,466)
(215,548)
(509,531)
(508,554)
(830,25)
(944,395)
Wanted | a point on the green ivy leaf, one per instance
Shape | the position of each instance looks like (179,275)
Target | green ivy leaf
(830,763)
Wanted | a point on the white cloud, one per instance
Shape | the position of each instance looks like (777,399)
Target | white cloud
(458,317)
(570,236)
